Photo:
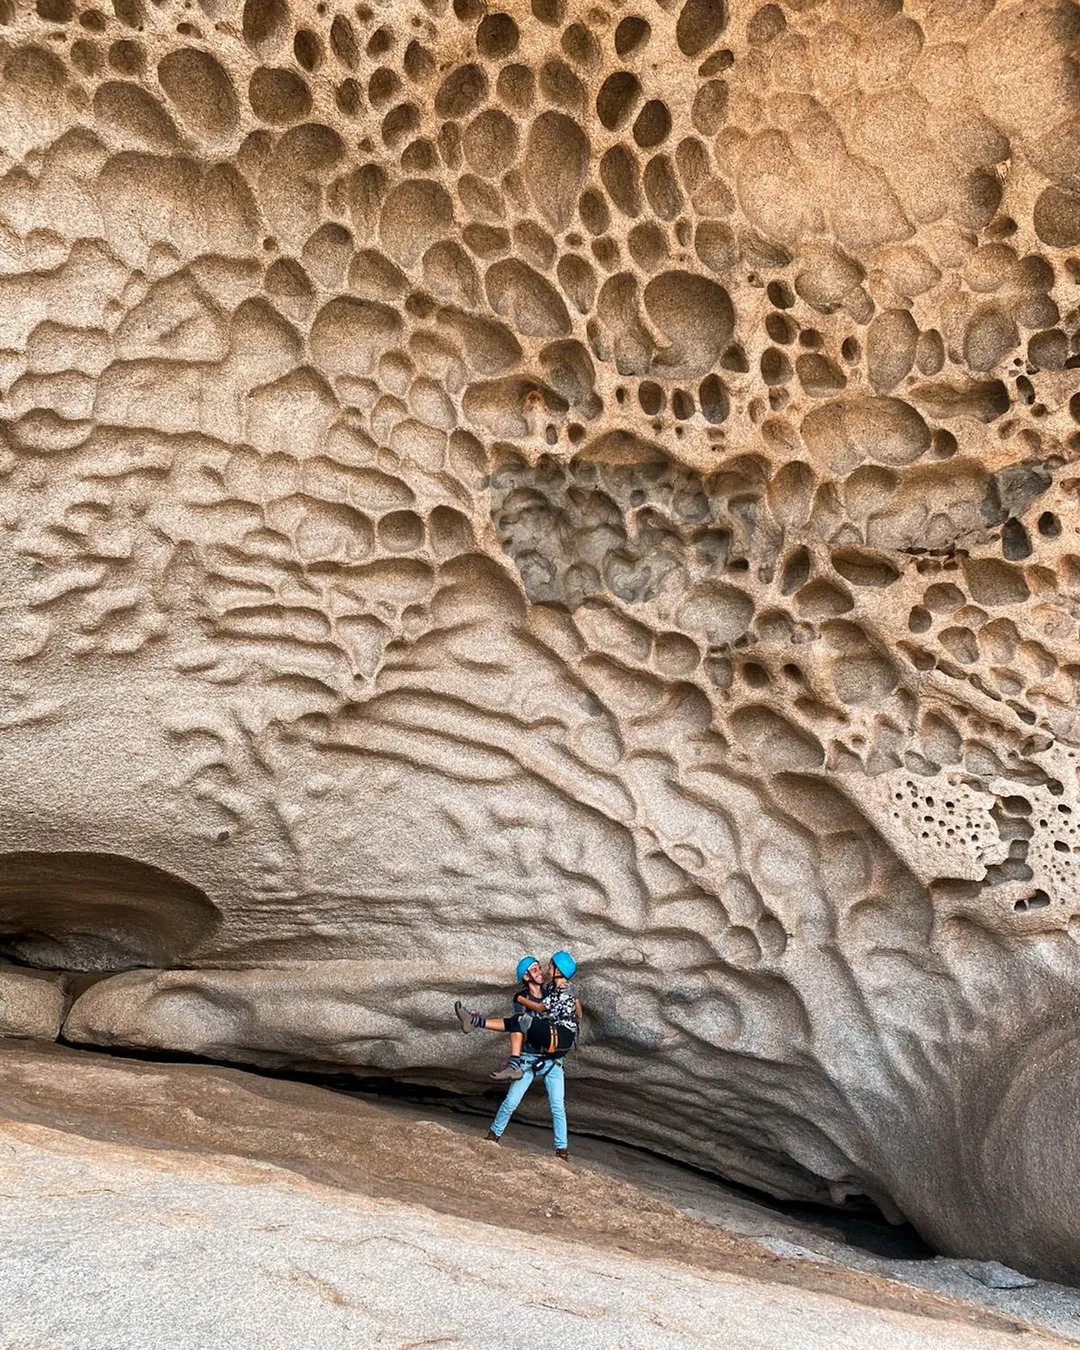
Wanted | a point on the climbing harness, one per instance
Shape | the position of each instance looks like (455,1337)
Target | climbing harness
(545,1058)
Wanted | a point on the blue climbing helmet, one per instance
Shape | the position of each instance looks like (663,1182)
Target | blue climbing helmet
(565,964)
(524,964)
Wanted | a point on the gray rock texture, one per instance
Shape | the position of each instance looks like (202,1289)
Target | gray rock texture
(476,481)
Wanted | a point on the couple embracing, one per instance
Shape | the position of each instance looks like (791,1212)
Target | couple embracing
(542,1029)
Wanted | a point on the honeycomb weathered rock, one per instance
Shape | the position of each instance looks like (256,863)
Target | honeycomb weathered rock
(482,479)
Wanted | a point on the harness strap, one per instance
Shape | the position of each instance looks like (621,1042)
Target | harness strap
(543,1060)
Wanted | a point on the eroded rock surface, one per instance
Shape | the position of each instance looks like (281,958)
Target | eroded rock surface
(202,1207)
(95,1146)
(32,1004)
(477,480)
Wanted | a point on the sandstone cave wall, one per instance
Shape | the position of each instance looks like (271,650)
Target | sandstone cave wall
(475,480)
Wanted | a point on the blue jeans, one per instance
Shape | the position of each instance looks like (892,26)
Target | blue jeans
(555,1084)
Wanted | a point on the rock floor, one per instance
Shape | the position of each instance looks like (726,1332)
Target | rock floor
(188,1206)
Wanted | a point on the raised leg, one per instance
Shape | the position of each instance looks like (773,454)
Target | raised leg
(474,1021)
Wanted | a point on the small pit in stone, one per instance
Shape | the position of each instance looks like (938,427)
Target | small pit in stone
(1037,900)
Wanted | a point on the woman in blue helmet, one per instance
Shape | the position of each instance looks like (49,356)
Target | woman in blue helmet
(550,1027)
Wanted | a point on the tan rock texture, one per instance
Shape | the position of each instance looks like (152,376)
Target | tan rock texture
(32,1004)
(202,1207)
(476,481)
(265,1139)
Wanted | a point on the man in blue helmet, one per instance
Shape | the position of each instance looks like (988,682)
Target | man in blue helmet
(550,1026)
(527,1000)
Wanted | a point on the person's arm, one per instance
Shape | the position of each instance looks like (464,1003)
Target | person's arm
(531,997)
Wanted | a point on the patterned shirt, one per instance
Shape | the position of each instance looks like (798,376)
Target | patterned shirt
(561,1004)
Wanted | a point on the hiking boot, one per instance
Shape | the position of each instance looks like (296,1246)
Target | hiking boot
(464,1016)
(511,1069)
(491,1137)
(563,1154)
